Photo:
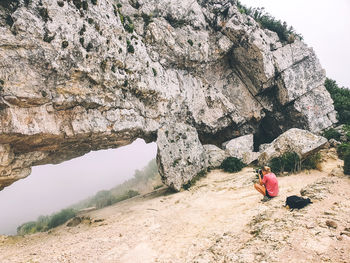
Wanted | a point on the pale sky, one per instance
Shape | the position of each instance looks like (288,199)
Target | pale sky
(325,26)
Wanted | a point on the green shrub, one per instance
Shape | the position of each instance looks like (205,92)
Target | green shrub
(127,195)
(332,134)
(102,199)
(341,98)
(232,164)
(342,149)
(311,162)
(147,19)
(130,47)
(285,34)
(131,193)
(347,162)
(129,28)
(65,44)
(125,20)
(61,217)
(154,72)
(45,223)
(157,186)
(346,130)
(288,162)
(42,223)
(26,228)
(106,198)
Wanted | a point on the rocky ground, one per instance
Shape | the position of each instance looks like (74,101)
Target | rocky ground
(220,219)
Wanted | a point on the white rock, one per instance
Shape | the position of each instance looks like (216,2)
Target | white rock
(242,148)
(294,140)
(180,154)
(214,155)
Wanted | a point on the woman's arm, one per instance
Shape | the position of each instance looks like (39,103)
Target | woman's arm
(260,181)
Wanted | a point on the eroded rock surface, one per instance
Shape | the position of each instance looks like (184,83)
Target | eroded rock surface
(294,140)
(214,156)
(242,148)
(180,155)
(77,76)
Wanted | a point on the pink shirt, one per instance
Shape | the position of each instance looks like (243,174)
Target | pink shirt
(271,184)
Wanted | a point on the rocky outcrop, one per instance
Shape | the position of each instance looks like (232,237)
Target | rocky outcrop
(214,156)
(85,75)
(242,148)
(317,190)
(180,154)
(294,140)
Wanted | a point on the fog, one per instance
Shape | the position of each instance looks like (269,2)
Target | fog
(325,26)
(51,188)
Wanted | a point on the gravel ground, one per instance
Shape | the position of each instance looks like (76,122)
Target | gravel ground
(220,219)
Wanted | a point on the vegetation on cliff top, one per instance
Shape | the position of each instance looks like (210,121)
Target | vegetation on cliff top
(341,98)
(286,34)
(347,162)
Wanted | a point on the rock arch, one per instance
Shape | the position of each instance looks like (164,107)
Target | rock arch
(76,78)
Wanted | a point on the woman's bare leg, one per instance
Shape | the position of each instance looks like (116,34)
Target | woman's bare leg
(260,188)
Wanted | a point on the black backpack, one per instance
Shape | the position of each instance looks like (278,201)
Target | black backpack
(295,201)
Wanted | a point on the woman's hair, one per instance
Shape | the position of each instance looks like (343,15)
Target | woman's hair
(266,169)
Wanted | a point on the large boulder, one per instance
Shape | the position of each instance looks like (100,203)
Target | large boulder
(180,155)
(294,140)
(214,155)
(242,148)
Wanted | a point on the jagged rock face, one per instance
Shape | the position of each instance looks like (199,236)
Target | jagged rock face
(84,75)
(180,154)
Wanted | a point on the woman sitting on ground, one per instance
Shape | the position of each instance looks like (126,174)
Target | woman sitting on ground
(268,186)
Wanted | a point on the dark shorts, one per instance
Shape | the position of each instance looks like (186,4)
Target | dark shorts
(267,194)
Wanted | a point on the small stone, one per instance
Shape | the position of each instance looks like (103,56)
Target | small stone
(310,226)
(329,213)
(338,172)
(334,143)
(332,224)
(345,233)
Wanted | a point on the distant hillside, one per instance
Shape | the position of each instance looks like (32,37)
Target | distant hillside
(144,180)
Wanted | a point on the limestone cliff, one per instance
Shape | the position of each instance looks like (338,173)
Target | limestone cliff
(82,75)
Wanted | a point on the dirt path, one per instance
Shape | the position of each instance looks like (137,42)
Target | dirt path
(220,219)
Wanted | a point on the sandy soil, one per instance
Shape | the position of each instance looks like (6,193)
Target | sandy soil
(220,219)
